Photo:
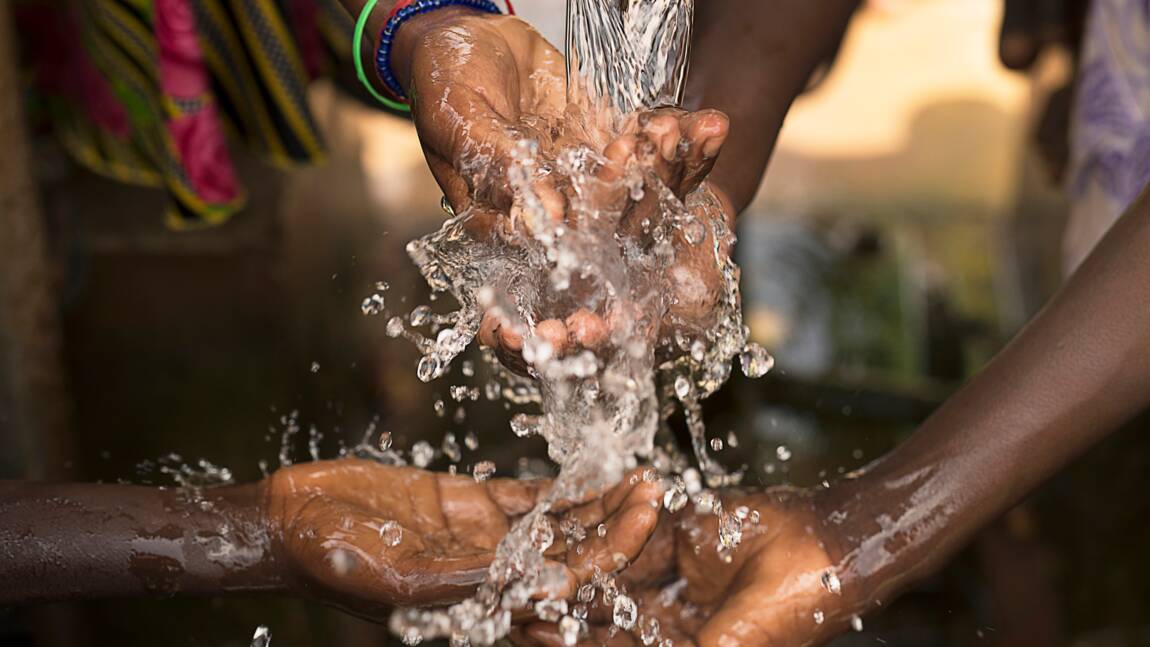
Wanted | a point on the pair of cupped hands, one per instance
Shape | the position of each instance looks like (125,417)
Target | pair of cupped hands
(481,84)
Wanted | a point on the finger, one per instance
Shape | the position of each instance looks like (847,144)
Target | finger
(628,526)
(659,147)
(510,339)
(618,153)
(489,329)
(539,208)
(517,497)
(704,132)
(553,332)
(586,329)
(1018,43)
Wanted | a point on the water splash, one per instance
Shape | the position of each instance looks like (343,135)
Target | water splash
(598,410)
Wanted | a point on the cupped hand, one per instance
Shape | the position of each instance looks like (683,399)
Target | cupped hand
(775,589)
(481,85)
(365,536)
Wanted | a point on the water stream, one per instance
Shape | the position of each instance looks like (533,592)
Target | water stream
(599,411)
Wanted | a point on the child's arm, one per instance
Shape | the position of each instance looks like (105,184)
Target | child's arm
(351,533)
(1076,373)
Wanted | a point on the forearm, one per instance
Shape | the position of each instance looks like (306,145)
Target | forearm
(750,59)
(74,541)
(1076,373)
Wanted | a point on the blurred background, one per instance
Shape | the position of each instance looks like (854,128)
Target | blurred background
(910,224)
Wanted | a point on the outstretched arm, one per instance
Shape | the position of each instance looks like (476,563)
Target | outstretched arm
(1075,374)
(351,533)
(62,541)
(812,559)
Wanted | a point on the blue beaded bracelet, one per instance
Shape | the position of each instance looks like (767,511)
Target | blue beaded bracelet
(387,36)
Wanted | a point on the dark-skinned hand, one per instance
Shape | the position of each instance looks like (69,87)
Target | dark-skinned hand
(325,521)
(767,594)
(483,83)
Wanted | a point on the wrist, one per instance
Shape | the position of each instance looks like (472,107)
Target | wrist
(235,532)
(415,30)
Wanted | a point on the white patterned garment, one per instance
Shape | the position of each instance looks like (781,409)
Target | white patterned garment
(1111,140)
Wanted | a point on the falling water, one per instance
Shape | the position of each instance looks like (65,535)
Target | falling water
(598,411)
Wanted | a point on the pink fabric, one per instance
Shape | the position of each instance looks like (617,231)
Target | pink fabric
(197,136)
(64,70)
(200,142)
(182,70)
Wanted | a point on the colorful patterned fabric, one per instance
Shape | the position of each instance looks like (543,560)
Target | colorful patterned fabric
(1111,139)
(144,91)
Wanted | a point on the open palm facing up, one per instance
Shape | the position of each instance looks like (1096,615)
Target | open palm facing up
(365,536)
(774,590)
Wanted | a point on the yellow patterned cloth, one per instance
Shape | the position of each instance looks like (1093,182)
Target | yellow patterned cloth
(148,91)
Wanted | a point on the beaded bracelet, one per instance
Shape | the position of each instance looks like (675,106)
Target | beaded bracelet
(357,58)
(404,12)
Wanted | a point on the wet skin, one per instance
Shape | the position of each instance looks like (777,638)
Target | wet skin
(1075,374)
(483,83)
(311,529)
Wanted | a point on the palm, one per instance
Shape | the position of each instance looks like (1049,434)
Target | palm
(767,594)
(366,536)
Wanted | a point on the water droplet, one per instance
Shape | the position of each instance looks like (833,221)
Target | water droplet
(550,610)
(420,316)
(492,391)
(467,368)
(717,444)
(756,361)
(428,368)
(730,530)
(471,441)
(422,454)
(732,439)
(483,470)
(694,230)
(450,448)
(572,529)
(542,535)
(262,637)
(384,441)
(698,350)
(382,286)
(372,305)
(625,612)
(412,637)
(601,530)
(649,630)
(315,367)
(682,387)
(675,500)
(440,408)
(819,617)
(856,623)
(783,453)
(569,629)
(524,425)
(586,593)
(391,533)
(831,583)
(394,327)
